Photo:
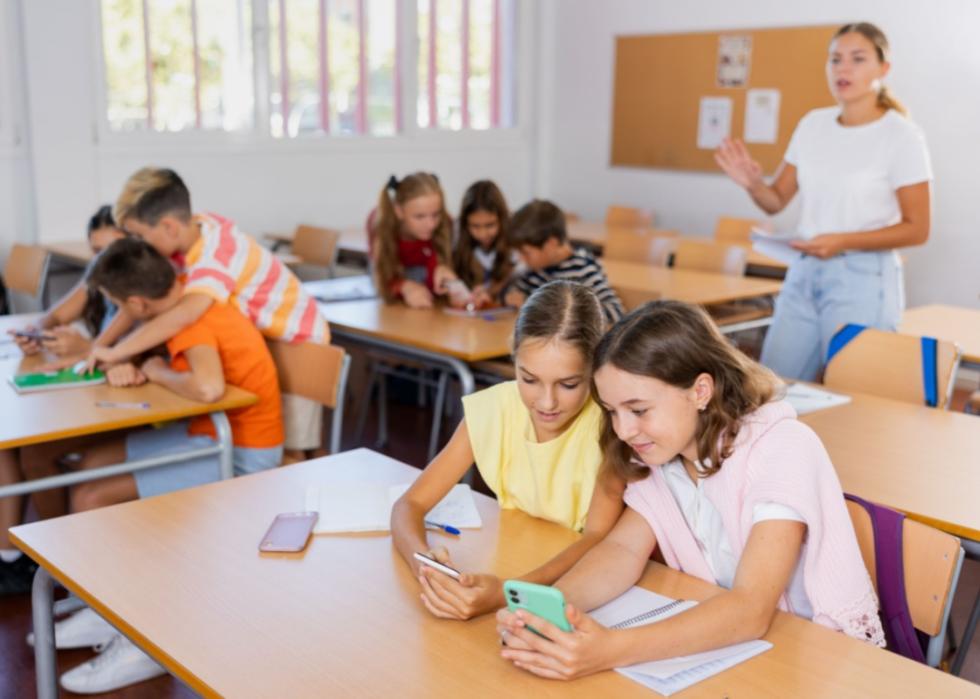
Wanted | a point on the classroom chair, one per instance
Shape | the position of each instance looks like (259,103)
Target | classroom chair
(314,247)
(318,372)
(914,569)
(25,274)
(708,256)
(735,230)
(628,216)
(641,245)
(973,403)
(908,368)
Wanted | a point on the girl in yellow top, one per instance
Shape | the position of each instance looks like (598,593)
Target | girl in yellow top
(535,442)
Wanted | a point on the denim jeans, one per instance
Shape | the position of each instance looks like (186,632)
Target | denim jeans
(819,296)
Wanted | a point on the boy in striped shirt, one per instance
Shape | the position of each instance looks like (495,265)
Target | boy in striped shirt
(219,264)
(537,232)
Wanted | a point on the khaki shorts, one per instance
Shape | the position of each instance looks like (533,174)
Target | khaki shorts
(303,422)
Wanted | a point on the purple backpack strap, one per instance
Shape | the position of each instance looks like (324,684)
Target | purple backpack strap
(890,572)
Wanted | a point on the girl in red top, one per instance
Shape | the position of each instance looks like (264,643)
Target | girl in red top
(410,233)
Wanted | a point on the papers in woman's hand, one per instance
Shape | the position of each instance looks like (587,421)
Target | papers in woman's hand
(775,245)
(366,507)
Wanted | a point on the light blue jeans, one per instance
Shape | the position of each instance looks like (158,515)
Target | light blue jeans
(819,296)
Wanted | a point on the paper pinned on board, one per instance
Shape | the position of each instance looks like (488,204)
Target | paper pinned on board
(714,121)
(761,115)
(734,60)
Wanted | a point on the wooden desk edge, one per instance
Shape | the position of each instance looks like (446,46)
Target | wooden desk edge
(118,622)
(358,333)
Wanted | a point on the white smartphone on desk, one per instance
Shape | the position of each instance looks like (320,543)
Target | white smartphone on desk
(433,563)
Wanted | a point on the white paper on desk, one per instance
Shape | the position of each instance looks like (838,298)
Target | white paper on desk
(761,115)
(807,399)
(714,121)
(366,507)
(775,245)
(671,674)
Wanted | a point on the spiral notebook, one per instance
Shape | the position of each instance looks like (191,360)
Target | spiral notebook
(637,607)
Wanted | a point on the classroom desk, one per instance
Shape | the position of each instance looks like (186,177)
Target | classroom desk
(431,336)
(353,242)
(74,252)
(594,234)
(954,323)
(703,288)
(181,576)
(922,461)
(46,416)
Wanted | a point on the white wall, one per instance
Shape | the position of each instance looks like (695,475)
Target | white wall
(265,185)
(935,71)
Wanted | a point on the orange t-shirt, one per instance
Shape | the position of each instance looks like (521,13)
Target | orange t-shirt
(246,363)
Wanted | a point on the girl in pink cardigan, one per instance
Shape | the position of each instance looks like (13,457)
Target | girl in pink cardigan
(726,481)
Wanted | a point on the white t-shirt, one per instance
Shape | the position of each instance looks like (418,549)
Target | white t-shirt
(848,174)
(708,528)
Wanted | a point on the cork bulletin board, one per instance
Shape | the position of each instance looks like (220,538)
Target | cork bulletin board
(666,90)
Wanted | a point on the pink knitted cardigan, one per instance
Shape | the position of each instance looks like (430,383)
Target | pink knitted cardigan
(775,458)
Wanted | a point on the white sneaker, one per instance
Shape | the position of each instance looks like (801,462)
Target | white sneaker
(83,629)
(119,665)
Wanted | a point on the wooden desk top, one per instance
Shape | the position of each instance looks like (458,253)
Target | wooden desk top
(352,239)
(45,416)
(469,339)
(923,461)
(595,233)
(182,576)
(954,323)
(74,251)
(702,288)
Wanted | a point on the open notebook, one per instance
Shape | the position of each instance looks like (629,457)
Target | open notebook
(638,607)
(366,507)
(806,399)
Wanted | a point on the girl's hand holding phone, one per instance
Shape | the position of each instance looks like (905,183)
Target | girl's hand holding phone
(559,655)
(66,340)
(446,598)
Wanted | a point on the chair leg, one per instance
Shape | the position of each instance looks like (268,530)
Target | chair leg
(971,627)
(437,409)
(382,410)
(362,413)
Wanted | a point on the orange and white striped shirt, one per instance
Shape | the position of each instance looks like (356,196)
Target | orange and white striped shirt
(230,266)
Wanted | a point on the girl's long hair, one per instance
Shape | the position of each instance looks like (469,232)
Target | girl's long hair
(95,304)
(482,196)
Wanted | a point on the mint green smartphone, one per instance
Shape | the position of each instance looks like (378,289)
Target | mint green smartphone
(541,600)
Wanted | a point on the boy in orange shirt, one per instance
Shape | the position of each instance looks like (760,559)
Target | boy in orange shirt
(219,348)
(221,265)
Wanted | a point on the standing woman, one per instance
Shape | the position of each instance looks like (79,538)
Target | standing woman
(863,170)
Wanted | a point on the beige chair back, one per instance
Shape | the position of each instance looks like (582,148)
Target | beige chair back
(25,269)
(314,371)
(628,216)
(708,256)
(930,560)
(889,365)
(316,246)
(734,230)
(642,245)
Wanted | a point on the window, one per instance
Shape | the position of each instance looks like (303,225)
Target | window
(172,65)
(463,83)
(323,67)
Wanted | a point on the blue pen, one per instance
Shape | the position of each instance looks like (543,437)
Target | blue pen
(444,527)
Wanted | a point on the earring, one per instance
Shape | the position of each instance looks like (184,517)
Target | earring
(701,408)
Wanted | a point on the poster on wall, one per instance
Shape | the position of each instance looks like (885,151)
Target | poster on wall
(714,121)
(761,115)
(734,60)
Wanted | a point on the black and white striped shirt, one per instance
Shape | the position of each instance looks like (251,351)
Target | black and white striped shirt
(580,267)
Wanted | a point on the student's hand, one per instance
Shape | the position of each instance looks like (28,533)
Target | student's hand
(27,345)
(587,649)
(733,158)
(124,375)
(823,246)
(440,276)
(515,298)
(152,367)
(67,341)
(416,295)
(101,355)
(470,596)
(482,297)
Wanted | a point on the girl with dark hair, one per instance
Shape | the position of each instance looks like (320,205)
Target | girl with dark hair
(725,482)
(81,303)
(534,442)
(482,258)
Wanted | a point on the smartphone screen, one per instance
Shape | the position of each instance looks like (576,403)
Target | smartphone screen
(289,532)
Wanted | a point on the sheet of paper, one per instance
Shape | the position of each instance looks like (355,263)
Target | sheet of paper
(775,245)
(714,121)
(457,509)
(761,115)
(734,60)
(807,399)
